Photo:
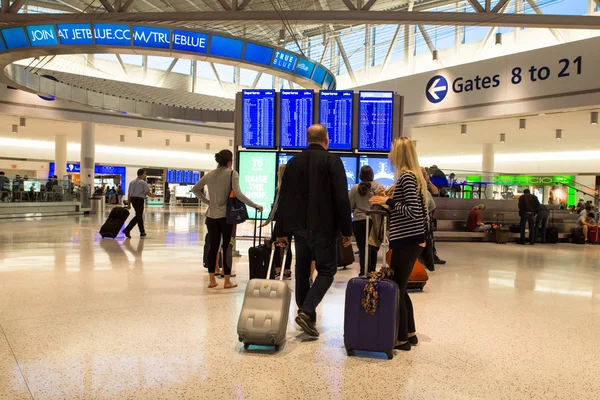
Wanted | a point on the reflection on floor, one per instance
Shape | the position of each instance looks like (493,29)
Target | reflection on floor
(88,319)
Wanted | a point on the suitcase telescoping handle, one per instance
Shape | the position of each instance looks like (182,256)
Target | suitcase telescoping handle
(273,247)
(256,219)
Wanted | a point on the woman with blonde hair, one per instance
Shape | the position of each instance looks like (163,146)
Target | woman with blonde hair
(279,252)
(408,222)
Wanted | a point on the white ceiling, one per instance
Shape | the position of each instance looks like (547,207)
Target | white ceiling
(445,140)
(109,135)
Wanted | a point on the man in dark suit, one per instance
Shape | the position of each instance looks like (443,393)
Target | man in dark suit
(314,207)
(529,206)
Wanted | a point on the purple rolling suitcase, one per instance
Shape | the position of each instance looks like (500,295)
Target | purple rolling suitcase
(377,332)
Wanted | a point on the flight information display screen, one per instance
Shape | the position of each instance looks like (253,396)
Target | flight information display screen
(382,167)
(296,116)
(376,116)
(170,176)
(350,166)
(284,158)
(336,115)
(258,119)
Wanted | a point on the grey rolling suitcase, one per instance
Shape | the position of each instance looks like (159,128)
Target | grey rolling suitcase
(264,317)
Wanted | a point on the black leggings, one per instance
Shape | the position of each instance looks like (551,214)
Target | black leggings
(360,230)
(217,229)
(403,260)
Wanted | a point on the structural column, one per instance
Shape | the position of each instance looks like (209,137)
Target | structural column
(88,154)
(60,156)
(487,166)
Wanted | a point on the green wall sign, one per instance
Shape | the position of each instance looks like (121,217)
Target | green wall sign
(257,179)
(526,180)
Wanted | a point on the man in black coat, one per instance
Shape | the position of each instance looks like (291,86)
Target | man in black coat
(529,206)
(314,207)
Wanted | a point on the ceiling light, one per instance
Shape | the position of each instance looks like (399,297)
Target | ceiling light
(558,134)
(463,129)
(122,138)
(187,138)
(230,142)
(15,129)
(207,146)
(594,118)
(503,138)
(22,121)
(498,39)
(434,55)
(522,124)
(167,142)
(282,36)
(139,133)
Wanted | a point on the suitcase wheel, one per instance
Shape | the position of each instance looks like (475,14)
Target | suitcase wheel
(273,341)
(390,354)
(241,339)
(277,348)
(351,353)
(246,345)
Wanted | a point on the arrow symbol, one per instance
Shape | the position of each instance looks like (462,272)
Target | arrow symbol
(434,89)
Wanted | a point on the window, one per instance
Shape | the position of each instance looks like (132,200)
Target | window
(247,76)
(183,66)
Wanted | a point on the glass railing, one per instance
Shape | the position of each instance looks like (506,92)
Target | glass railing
(24,189)
(559,190)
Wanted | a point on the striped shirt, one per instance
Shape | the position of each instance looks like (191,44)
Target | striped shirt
(409,217)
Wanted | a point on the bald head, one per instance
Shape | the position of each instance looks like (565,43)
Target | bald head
(317,134)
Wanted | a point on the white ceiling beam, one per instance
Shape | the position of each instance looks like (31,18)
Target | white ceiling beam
(491,32)
(122,64)
(214,69)
(388,55)
(540,13)
(349,5)
(429,43)
(501,5)
(475,4)
(126,6)
(16,6)
(346,61)
(256,79)
(107,6)
(312,17)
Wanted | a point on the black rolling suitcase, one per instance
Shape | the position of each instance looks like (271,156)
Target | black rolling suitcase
(114,223)
(259,255)
(551,232)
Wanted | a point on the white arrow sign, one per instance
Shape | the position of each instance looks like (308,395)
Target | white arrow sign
(434,89)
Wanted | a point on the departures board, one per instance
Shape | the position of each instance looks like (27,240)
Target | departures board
(362,122)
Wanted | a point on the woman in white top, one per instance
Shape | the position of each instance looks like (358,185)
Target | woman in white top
(220,182)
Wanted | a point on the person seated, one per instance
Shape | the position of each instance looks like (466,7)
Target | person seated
(474,223)
(585,222)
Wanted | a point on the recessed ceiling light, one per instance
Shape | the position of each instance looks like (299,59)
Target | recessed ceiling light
(594,118)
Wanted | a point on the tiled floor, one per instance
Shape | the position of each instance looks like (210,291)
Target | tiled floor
(88,319)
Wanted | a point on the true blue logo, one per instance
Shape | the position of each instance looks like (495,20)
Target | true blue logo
(437,89)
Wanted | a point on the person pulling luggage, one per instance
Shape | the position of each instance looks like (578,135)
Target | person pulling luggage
(314,207)
(138,190)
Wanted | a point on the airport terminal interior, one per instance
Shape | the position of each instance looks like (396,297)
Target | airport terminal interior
(113,105)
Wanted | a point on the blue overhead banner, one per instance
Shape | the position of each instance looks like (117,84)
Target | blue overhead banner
(153,37)
(194,42)
(42,35)
(15,38)
(75,34)
(112,34)
(163,38)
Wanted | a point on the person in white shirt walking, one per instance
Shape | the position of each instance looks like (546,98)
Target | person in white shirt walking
(136,196)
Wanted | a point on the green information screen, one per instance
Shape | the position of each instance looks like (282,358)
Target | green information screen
(257,179)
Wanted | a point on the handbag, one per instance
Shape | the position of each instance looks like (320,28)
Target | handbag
(235,211)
